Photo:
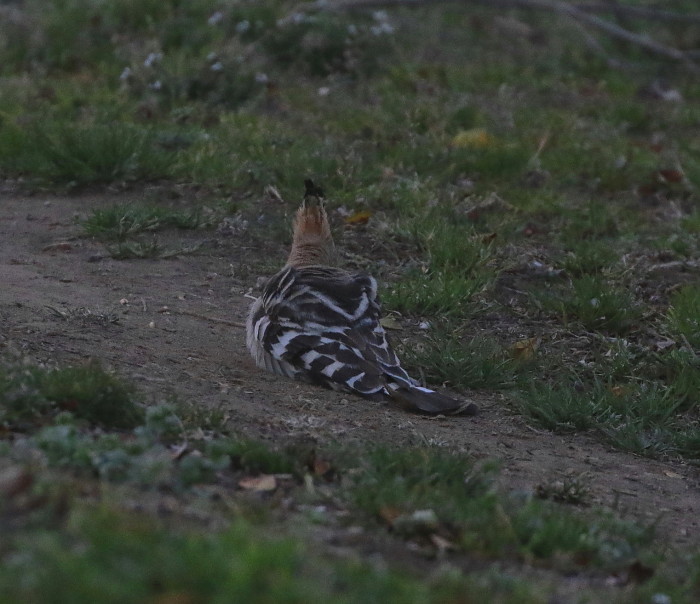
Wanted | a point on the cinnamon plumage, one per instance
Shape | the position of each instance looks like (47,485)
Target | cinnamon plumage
(319,323)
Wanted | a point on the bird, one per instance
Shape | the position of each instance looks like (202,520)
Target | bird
(321,324)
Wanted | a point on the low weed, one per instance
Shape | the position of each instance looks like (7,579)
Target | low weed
(571,489)
(680,370)
(123,221)
(80,154)
(419,492)
(646,418)
(92,394)
(107,556)
(448,358)
(433,294)
(458,269)
(144,456)
(684,314)
(31,396)
(589,257)
(256,457)
(593,301)
(135,250)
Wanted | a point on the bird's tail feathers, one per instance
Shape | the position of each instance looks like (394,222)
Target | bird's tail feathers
(418,398)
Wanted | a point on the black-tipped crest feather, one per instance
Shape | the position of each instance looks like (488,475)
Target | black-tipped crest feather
(312,190)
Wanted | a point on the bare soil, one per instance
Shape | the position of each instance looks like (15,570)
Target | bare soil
(60,295)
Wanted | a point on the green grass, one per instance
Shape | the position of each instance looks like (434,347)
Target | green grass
(646,419)
(105,556)
(123,221)
(681,370)
(684,315)
(594,302)
(79,154)
(32,396)
(447,357)
(130,250)
(427,491)
(457,270)
(588,257)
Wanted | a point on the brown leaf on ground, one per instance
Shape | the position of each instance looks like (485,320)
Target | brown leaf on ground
(619,390)
(525,350)
(13,481)
(389,513)
(361,217)
(390,322)
(264,482)
(442,544)
(174,597)
(476,138)
(60,246)
(669,175)
(321,467)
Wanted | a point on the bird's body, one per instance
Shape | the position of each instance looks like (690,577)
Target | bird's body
(321,324)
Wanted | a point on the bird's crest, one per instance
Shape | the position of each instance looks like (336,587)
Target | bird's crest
(313,192)
(313,242)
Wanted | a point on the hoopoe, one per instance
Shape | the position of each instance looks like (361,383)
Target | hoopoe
(321,324)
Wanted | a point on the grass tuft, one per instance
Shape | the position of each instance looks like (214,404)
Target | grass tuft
(594,302)
(684,314)
(420,491)
(449,359)
(80,154)
(638,417)
(92,394)
(30,395)
(123,221)
(457,270)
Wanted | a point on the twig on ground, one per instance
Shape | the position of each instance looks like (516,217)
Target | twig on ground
(594,44)
(613,30)
(572,11)
(641,12)
(689,346)
(197,315)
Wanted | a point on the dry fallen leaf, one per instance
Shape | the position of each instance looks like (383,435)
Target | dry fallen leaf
(273,193)
(389,513)
(476,138)
(174,597)
(359,217)
(61,246)
(321,467)
(390,322)
(178,451)
(13,481)
(442,544)
(264,482)
(524,350)
(618,390)
(670,175)
(664,344)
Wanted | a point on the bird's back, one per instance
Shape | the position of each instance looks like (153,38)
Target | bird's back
(322,324)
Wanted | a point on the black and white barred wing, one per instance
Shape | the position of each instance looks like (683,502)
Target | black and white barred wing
(322,324)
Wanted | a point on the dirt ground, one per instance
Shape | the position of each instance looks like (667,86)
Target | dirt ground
(166,340)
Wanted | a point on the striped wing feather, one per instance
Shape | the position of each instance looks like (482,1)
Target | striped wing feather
(325,323)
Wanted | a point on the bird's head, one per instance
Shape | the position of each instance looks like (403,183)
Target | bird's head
(313,242)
